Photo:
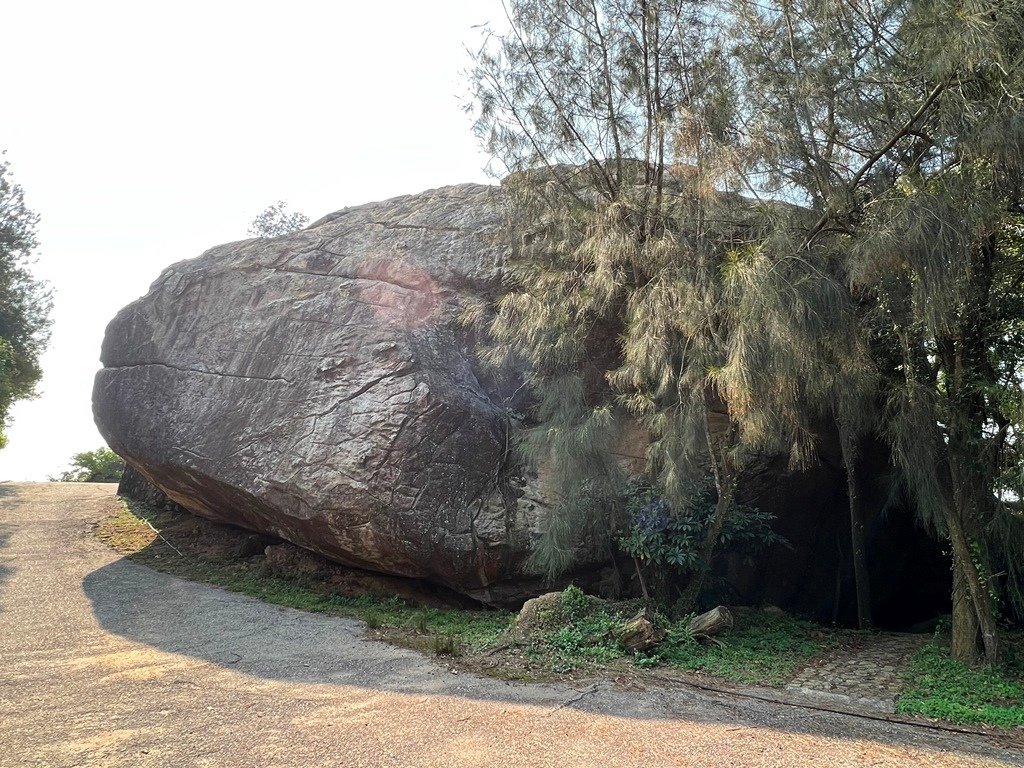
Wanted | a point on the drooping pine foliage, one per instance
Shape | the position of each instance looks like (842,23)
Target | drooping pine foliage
(898,127)
(732,221)
(619,235)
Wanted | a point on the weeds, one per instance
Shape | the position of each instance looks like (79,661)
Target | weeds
(579,632)
(582,633)
(761,649)
(939,687)
(445,645)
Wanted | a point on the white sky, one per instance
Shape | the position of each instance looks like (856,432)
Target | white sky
(144,133)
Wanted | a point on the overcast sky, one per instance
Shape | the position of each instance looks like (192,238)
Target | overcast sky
(144,133)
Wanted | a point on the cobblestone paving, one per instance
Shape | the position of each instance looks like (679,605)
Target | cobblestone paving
(865,674)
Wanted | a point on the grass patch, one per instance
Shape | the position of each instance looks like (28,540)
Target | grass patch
(577,633)
(133,533)
(574,633)
(941,688)
(762,649)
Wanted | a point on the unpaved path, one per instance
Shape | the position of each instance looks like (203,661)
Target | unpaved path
(104,662)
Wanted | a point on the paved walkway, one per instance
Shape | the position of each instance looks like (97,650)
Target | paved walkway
(104,662)
(864,675)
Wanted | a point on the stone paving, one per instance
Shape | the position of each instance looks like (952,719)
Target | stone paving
(864,674)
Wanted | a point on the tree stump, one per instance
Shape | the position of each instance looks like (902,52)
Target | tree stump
(640,634)
(707,625)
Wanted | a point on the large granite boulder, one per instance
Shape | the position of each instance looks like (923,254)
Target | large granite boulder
(318,387)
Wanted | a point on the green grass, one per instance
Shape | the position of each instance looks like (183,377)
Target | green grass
(439,631)
(762,649)
(581,634)
(941,688)
(582,642)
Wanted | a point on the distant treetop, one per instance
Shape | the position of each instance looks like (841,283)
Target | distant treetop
(24,300)
(276,220)
(99,466)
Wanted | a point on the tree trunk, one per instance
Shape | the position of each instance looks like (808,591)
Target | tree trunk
(963,563)
(725,485)
(643,582)
(964,643)
(858,547)
(970,497)
(711,623)
(640,633)
(692,591)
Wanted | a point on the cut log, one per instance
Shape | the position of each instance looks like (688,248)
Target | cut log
(706,625)
(640,634)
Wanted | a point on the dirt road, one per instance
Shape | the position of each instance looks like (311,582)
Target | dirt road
(107,663)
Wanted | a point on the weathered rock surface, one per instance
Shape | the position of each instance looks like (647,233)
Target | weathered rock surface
(135,486)
(318,387)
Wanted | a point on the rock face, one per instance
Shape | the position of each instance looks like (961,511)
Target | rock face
(318,387)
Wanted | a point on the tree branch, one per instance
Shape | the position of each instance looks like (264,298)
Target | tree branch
(904,131)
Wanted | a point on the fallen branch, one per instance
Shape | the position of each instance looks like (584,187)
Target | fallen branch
(573,699)
(163,538)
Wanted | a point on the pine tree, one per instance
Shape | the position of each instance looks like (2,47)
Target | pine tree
(610,119)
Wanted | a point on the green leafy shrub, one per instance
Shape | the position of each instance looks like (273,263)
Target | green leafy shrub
(668,542)
(575,602)
(571,629)
(582,643)
(99,466)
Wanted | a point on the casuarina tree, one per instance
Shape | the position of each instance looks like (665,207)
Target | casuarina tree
(897,128)
(612,123)
(731,222)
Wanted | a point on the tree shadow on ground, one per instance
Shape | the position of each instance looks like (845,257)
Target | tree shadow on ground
(5,571)
(270,642)
(8,500)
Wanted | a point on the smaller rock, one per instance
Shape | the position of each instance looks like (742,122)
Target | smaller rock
(137,488)
(539,613)
(251,544)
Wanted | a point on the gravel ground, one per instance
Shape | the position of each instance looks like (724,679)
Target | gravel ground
(108,663)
